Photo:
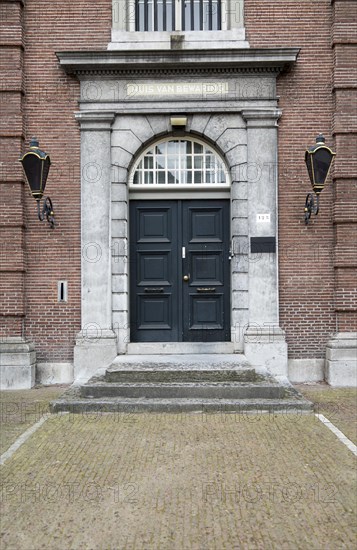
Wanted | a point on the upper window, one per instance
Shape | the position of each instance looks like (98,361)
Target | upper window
(174,162)
(170,15)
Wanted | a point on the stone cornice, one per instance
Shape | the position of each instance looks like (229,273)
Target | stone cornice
(248,60)
(261,117)
(98,121)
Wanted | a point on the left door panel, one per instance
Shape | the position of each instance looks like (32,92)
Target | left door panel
(153,271)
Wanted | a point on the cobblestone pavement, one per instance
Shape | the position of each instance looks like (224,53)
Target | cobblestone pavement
(339,405)
(189,481)
(19,409)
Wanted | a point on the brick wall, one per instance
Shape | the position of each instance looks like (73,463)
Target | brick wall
(40,100)
(344,47)
(12,223)
(50,101)
(306,253)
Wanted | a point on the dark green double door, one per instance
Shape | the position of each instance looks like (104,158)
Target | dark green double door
(179,271)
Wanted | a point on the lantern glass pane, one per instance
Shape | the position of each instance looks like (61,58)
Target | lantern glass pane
(46,169)
(308,161)
(322,161)
(33,169)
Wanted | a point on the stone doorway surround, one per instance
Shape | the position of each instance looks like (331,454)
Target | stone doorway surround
(126,102)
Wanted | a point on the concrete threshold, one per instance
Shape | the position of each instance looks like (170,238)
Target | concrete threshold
(188,360)
(178,348)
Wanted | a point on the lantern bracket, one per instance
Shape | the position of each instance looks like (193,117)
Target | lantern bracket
(311,207)
(46,212)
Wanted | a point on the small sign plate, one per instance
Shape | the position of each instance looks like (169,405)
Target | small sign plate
(263,218)
(262,245)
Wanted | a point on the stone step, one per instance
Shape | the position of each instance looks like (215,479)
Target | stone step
(129,405)
(181,383)
(182,390)
(165,374)
(181,368)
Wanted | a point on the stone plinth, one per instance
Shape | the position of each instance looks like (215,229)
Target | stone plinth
(341,359)
(17,364)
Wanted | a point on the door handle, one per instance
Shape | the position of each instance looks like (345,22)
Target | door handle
(186,278)
(204,289)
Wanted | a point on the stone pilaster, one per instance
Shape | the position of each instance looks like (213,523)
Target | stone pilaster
(96,343)
(264,342)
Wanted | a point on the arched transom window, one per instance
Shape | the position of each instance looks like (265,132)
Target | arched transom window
(179,162)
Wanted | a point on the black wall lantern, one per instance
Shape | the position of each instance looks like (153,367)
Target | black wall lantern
(36,165)
(318,159)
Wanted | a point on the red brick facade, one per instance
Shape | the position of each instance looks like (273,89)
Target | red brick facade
(37,98)
(306,254)
(317,264)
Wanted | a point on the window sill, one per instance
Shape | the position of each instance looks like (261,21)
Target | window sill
(123,40)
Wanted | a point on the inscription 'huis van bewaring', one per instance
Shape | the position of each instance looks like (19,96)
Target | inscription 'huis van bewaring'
(172,88)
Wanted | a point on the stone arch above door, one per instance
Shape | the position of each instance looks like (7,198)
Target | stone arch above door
(132,133)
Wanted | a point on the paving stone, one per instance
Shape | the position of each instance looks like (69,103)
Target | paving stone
(185,481)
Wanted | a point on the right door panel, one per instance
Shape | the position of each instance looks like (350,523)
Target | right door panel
(206,288)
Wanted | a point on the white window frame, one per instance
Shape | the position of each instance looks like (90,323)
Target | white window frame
(231,13)
(178,17)
(152,187)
